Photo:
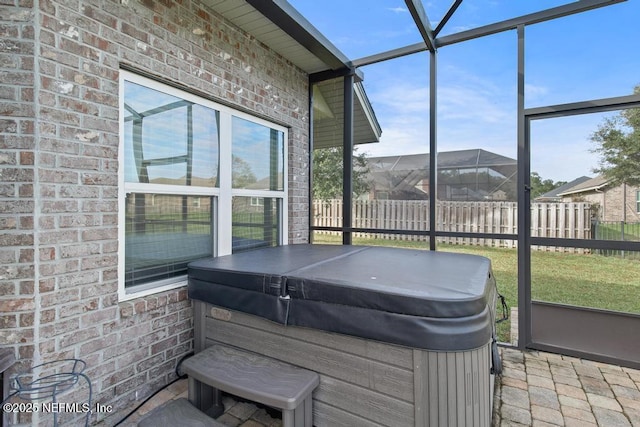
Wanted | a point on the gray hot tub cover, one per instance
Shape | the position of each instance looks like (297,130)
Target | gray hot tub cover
(421,299)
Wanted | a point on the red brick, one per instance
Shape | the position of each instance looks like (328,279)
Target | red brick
(47,254)
(82,334)
(26,255)
(47,316)
(98,317)
(26,320)
(8,321)
(18,304)
(164,345)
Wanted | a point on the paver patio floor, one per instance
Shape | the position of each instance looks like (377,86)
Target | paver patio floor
(535,389)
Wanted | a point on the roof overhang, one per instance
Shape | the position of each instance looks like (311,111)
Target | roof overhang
(283,29)
(328,117)
(582,190)
(593,184)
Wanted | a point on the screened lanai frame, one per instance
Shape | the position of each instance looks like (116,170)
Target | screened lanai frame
(431,43)
(576,331)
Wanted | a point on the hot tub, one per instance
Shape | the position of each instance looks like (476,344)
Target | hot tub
(398,336)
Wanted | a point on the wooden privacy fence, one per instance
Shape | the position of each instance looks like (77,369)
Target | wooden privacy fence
(563,220)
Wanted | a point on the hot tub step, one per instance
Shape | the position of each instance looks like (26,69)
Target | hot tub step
(254,377)
(178,412)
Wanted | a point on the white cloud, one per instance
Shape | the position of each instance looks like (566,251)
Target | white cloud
(467,119)
(401,99)
(460,28)
(463,102)
(398,9)
(474,112)
(533,92)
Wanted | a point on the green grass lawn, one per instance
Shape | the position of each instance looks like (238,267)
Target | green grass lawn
(577,279)
(616,230)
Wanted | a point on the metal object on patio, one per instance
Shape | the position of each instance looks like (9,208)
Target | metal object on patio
(49,380)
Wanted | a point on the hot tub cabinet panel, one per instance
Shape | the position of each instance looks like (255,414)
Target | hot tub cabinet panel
(399,337)
(364,382)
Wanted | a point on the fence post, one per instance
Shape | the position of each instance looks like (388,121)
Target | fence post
(622,235)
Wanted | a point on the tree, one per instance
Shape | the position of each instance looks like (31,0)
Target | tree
(541,186)
(327,173)
(241,173)
(618,144)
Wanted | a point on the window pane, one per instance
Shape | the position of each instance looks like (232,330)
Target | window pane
(169,140)
(256,222)
(163,233)
(258,156)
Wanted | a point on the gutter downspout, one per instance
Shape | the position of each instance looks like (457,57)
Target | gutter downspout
(603,204)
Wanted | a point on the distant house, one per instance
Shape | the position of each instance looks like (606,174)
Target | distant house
(464,175)
(615,202)
(553,195)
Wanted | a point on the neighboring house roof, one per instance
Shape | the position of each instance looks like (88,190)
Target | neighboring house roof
(555,193)
(282,28)
(592,184)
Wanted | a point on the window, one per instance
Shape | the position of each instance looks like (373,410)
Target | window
(638,201)
(198,180)
(257,201)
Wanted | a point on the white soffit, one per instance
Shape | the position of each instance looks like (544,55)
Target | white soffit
(245,16)
(328,125)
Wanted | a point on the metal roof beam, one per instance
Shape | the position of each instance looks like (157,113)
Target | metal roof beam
(282,14)
(446,17)
(592,106)
(420,17)
(533,18)
(390,54)
(333,74)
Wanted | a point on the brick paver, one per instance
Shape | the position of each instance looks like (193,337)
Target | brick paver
(574,403)
(609,418)
(566,391)
(584,415)
(604,402)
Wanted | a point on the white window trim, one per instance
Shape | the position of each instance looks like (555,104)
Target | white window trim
(222,218)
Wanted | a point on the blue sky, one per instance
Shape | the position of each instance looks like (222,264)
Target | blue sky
(577,58)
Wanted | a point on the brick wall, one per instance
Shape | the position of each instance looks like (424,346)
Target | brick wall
(615,199)
(59,68)
(612,201)
(18,254)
